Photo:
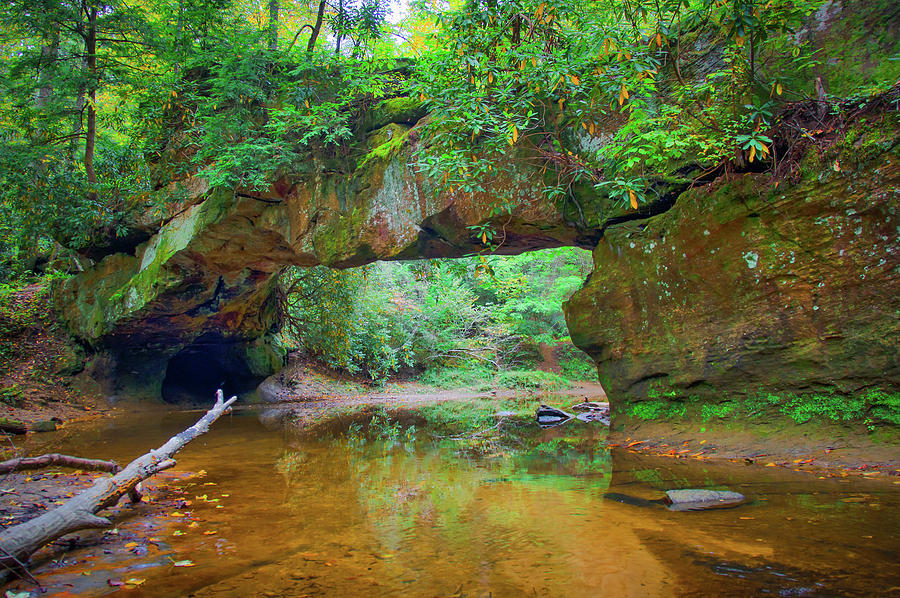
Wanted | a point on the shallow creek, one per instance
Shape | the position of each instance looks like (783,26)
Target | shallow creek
(408,514)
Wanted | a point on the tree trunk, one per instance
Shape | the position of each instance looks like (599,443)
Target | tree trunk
(19,542)
(273,25)
(340,28)
(90,49)
(57,459)
(13,426)
(320,16)
(49,55)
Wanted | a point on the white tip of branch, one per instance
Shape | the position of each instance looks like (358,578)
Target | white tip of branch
(220,396)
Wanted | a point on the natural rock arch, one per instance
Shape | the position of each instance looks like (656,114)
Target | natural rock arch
(745,285)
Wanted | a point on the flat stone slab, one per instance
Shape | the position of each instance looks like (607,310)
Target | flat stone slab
(698,500)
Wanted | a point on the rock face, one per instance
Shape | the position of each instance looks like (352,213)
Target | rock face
(747,287)
(202,283)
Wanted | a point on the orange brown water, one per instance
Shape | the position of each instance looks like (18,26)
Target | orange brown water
(342,517)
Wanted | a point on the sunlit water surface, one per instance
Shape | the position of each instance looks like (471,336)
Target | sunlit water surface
(338,516)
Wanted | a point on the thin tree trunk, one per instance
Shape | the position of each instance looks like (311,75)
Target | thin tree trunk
(19,542)
(320,16)
(273,25)
(49,55)
(90,47)
(340,28)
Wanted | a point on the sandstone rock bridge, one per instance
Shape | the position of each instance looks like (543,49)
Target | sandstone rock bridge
(721,286)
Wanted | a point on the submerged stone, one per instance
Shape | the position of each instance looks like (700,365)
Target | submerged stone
(698,500)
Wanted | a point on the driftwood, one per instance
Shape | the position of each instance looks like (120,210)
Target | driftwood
(13,426)
(55,459)
(19,542)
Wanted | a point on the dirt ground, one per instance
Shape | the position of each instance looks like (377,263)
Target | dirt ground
(33,365)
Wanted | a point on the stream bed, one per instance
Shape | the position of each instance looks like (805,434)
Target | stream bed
(404,512)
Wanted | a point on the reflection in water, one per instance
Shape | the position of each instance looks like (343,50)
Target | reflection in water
(539,513)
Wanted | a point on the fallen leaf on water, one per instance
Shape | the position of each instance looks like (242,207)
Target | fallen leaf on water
(210,533)
(193,524)
(184,563)
(134,581)
(635,443)
(131,545)
(745,517)
(770,464)
(176,514)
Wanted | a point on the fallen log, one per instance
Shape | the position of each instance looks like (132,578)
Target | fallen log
(55,459)
(13,426)
(19,542)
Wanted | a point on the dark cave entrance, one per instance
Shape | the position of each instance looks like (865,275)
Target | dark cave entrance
(210,363)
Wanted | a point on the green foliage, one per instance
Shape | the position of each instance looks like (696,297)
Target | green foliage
(462,321)
(657,409)
(833,407)
(574,363)
(531,379)
(471,377)
(720,410)
(11,396)
(884,407)
(874,408)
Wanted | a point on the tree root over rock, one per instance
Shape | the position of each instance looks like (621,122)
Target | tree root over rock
(19,542)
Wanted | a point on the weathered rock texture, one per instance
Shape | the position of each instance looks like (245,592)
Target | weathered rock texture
(203,281)
(746,286)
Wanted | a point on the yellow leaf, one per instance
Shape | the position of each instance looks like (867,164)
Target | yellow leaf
(658,40)
(779,89)
(575,79)
(131,545)
(752,153)
(484,238)
(533,61)
(633,199)
(490,77)
(560,102)
(515,134)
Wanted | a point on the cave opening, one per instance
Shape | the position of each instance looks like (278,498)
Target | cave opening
(195,373)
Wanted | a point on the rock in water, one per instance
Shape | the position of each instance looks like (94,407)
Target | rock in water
(698,500)
(594,416)
(44,426)
(548,416)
